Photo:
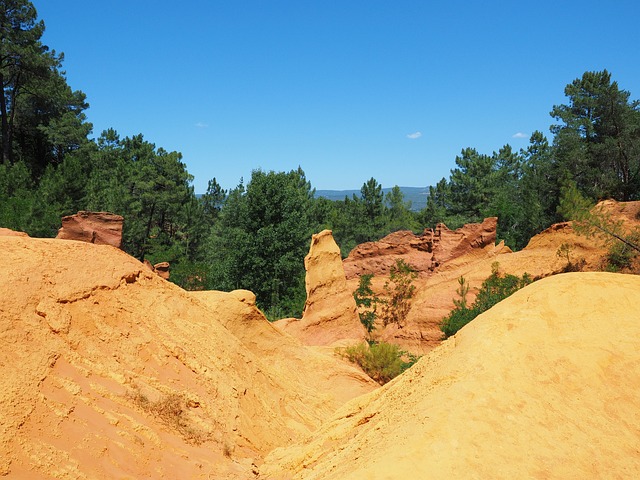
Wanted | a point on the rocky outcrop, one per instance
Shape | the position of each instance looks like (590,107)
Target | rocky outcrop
(7,232)
(468,252)
(101,228)
(161,269)
(330,312)
(424,252)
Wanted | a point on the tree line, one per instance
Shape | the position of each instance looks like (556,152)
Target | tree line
(256,234)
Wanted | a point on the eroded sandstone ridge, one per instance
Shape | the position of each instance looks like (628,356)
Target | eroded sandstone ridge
(442,258)
(330,313)
(424,252)
(7,232)
(161,269)
(101,228)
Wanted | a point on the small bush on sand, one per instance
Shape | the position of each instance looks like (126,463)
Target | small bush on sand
(170,410)
(381,361)
(565,252)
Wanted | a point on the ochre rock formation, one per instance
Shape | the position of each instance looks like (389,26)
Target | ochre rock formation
(436,288)
(330,312)
(7,232)
(101,228)
(161,269)
(245,296)
(108,371)
(435,293)
(542,386)
(425,252)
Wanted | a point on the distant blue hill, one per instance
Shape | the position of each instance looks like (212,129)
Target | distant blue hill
(416,195)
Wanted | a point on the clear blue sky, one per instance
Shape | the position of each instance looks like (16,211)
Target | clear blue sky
(348,90)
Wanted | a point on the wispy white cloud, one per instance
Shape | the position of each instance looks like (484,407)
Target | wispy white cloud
(414,135)
(519,135)
(202,125)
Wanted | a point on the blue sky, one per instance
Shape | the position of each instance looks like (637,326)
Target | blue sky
(348,90)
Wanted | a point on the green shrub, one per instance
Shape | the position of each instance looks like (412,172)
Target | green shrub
(494,289)
(367,303)
(565,251)
(621,255)
(381,361)
(399,290)
(457,319)
(396,308)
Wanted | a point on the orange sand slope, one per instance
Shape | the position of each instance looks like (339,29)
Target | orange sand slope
(108,371)
(544,385)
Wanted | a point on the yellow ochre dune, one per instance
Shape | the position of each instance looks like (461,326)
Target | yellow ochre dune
(108,371)
(544,385)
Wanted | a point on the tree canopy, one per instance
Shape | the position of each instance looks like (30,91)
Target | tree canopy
(598,140)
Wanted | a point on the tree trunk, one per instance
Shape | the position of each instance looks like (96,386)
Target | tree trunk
(6,144)
(148,232)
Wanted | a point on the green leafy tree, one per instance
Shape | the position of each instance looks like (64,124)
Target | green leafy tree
(212,200)
(359,219)
(539,188)
(367,302)
(151,188)
(43,128)
(504,198)
(372,200)
(21,56)
(472,185)
(347,224)
(60,192)
(598,139)
(565,252)
(322,212)
(371,210)
(262,238)
(438,207)
(399,290)
(462,291)
(228,243)
(41,118)
(159,188)
(398,212)
(498,287)
(108,184)
(16,196)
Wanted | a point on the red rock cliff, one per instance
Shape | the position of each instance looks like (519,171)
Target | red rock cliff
(101,228)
